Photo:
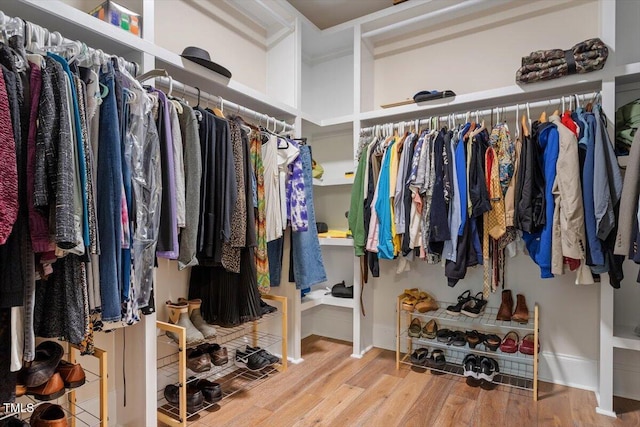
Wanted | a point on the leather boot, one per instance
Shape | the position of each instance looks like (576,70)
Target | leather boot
(179,315)
(196,318)
(506,307)
(521,314)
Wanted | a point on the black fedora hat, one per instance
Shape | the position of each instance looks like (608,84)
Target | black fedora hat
(201,56)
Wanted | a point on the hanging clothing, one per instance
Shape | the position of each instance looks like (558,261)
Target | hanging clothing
(271,188)
(261,257)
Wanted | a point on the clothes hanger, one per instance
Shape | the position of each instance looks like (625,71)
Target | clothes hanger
(220,111)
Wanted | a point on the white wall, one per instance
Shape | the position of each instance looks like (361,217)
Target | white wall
(476,60)
(281,79)
(207,25)
(327,87)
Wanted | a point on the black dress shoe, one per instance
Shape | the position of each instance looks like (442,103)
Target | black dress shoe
(13,422)
(195,398)
(212,391)
(48,355)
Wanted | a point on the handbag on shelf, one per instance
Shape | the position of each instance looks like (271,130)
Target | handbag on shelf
(340,290)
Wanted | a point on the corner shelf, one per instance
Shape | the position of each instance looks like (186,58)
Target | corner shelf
(333,181)
(231,377)
(336,241)
(317,297)
(624,337)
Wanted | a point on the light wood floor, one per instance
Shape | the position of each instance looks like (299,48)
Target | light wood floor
(330,388)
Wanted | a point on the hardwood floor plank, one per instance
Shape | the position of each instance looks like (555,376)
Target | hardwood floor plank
(426,408)
(384,364)
(522,407)
(491,409)
(330,408)
(292,411)
(393,409)
(456,411)
(368,402)
(554,408)
(247,417)
(628,411)
(329,382)
(580,401)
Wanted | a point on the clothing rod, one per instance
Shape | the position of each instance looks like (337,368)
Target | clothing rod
(179,87)
(496,110)
(34,33)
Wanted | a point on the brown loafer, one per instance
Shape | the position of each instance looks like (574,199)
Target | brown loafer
(198,361)
(72,375)
(52,389)
(48,415)
(21,390)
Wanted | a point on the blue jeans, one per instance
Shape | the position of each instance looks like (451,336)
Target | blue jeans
(109,182)
(308,267)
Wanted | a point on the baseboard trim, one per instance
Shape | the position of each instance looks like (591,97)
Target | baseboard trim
(601,411)
(359,356)
(295,361)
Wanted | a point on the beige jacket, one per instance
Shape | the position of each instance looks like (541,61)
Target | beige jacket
(568,216)
(629,199)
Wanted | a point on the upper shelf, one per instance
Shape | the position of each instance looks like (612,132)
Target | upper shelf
(76,24)
(489,98)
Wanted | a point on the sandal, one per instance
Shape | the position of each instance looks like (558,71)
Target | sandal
(415,328)
(430,329)
(474,338)
(437,360)
(527,345)
(510,343)
(458,339)
(419,356)
(492,342)
(426,303)
(444,335)
(462,300)
(475,306)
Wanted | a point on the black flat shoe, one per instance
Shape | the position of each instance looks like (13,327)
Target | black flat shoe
(444,335)
(437,360)
(459,339)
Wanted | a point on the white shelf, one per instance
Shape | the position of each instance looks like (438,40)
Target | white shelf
(336,241)
(625,338)
(628,73)
(76,24)
(331,181)
(318,297)
(494,97)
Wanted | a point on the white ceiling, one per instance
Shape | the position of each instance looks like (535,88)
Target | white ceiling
(327,13)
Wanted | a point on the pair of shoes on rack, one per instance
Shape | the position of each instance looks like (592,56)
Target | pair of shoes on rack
(417,330)
(512,343)
(199,359)
(506,312)
(187,314)
(46,377)
(480,367)
(421,358)
(468,305)
(12,421)
(449,337)
(211,391)
(48,415)
(195,397)
(415,299)
(255,358)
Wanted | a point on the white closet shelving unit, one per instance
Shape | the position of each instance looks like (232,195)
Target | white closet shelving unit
(325,82)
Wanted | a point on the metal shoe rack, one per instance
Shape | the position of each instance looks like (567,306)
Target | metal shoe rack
(79,414)
(517,370)
(172,361)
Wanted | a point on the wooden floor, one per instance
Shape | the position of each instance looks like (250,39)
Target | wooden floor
(330,388)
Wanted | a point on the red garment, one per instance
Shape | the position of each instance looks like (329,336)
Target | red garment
(569,123)
(8,167)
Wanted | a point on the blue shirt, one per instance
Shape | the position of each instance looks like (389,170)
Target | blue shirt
(383,207)
(539,244)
